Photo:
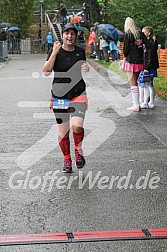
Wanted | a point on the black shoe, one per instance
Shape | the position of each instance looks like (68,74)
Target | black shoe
(67,166)
(80,160)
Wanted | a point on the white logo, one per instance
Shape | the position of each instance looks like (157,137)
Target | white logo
(23,180)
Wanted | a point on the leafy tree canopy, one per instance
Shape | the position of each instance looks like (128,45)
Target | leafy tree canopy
(145,13)
(17,12)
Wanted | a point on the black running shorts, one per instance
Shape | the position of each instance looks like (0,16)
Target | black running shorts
(76,109)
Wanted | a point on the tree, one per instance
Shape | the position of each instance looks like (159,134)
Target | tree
(152,13)
(17,12)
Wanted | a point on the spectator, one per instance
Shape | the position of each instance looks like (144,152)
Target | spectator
(105,47)
(97,41)
(119,51)
(114,50)
(11,42)
(63,13)
(151,64)
(49,41)
(81,39)
(101,56)
(18,42)
(3,36)
(91,40)
(133,52)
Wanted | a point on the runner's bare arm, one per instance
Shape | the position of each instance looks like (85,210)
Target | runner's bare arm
(49,64)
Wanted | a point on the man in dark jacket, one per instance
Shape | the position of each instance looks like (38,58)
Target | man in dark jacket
(63,13)
(3,36)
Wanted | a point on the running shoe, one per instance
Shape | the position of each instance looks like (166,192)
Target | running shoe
(79,158)
(67,166)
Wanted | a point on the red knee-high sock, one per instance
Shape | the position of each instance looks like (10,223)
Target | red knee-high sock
(64,144)
(78,137)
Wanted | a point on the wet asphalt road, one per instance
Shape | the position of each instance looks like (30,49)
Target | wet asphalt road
(117,144)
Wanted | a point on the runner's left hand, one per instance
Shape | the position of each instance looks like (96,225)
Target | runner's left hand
(84,67)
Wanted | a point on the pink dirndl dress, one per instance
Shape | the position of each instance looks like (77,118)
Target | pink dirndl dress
(131,67)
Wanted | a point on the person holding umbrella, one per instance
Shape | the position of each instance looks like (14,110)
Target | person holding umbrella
(11,42)
(109,30)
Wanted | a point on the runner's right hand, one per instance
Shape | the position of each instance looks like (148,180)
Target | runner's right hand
(56,47)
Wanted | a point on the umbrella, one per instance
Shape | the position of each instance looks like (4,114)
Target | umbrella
(76,19)
(109,30)
(4,25)
(120,32)
(14,28)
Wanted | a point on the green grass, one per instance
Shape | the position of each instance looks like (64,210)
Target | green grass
(160,83)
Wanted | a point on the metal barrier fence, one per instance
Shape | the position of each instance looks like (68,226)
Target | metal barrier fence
(17,46)
(25,46)
(3,50)
(14,46)
(37,46)
(20,46)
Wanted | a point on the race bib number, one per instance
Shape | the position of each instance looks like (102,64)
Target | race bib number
(59,103)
